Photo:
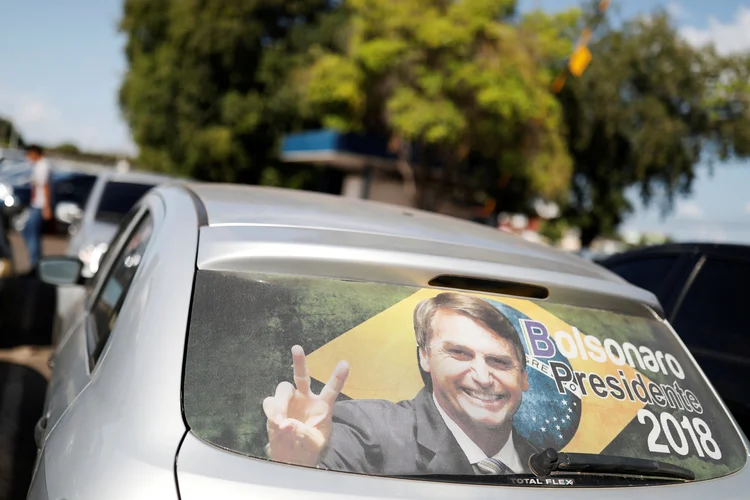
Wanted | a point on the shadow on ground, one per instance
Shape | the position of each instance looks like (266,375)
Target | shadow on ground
(27,311)
(22,392)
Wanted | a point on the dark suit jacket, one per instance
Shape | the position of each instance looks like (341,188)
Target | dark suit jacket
(409,437)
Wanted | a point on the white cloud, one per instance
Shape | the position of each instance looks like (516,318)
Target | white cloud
(34,116)
(747,208)
(713,234)
(728,38)
(689,210)
(38,120)
(33,111)
(676,10)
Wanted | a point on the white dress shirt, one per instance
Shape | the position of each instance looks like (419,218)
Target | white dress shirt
(507,454)
(40,177)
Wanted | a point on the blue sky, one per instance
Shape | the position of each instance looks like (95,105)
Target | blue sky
(62,64)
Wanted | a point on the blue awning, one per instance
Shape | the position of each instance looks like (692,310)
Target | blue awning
(345,150)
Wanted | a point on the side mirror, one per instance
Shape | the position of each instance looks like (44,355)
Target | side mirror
(60,270)
(68,212)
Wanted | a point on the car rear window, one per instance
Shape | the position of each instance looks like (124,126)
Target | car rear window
(436,382)
(118,198)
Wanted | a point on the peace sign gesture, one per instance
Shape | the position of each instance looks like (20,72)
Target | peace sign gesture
(299,421)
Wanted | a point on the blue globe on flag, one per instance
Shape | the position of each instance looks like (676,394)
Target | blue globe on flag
(545,418)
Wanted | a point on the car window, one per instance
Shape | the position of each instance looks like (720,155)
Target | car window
(711,315)
(117,200)
(111,297)
(648,273)
(94,283)
(421,365)
(75,189)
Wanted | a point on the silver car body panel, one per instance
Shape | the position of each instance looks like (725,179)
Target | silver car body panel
(395,259)
(205,471)
(69,303)
(229,205)
(114,433)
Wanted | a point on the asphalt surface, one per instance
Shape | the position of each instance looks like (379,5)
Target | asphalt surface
(26,313)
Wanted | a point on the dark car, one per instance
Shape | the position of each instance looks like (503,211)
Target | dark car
(70,186)
(702,289)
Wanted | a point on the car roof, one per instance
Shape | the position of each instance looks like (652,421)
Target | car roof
(245,205)
(726,249)
(138,177)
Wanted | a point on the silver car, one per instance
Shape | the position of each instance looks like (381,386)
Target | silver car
(93,226)
(242,342)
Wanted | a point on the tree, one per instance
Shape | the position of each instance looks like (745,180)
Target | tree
(67,148)
(205,94)
(649,108)
(8,132)
(457,82)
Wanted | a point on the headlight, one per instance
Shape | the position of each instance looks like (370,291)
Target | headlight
(6,191)
(91,256)
(6,268)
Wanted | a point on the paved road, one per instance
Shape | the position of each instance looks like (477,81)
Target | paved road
(26,309)
(51,245)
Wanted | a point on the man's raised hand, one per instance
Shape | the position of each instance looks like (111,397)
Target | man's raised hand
(299,421)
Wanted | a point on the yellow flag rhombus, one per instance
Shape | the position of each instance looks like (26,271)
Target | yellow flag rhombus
(382,355)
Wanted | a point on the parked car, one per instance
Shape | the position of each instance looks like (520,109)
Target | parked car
(93,224)
(243,342)
(701,288)
(65,185)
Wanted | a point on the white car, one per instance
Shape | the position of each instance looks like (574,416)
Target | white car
(93,226)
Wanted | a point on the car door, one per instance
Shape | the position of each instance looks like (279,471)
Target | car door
(79,348)
(710,317)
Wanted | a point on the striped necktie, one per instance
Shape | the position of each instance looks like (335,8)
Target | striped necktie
(491,466)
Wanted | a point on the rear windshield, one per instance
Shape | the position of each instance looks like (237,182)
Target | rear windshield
(118,198)
(392,380)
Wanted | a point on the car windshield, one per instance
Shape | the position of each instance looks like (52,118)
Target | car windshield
(435,383)
(16,175)
(118,198)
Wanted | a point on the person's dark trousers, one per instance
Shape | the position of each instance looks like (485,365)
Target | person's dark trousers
(32,235)
(5,249)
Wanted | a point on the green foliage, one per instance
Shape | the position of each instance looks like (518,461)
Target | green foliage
(212,86)
(646,111)
(8,130)
(67,149)
(207,92)
(554,229)
(454,77)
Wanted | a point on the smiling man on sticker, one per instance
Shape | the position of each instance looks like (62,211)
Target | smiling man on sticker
(461,422)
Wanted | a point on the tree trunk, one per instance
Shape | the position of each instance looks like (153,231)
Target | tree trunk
(589,232)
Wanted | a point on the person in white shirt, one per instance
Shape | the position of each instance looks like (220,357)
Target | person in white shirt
(40,208)
(461,422)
